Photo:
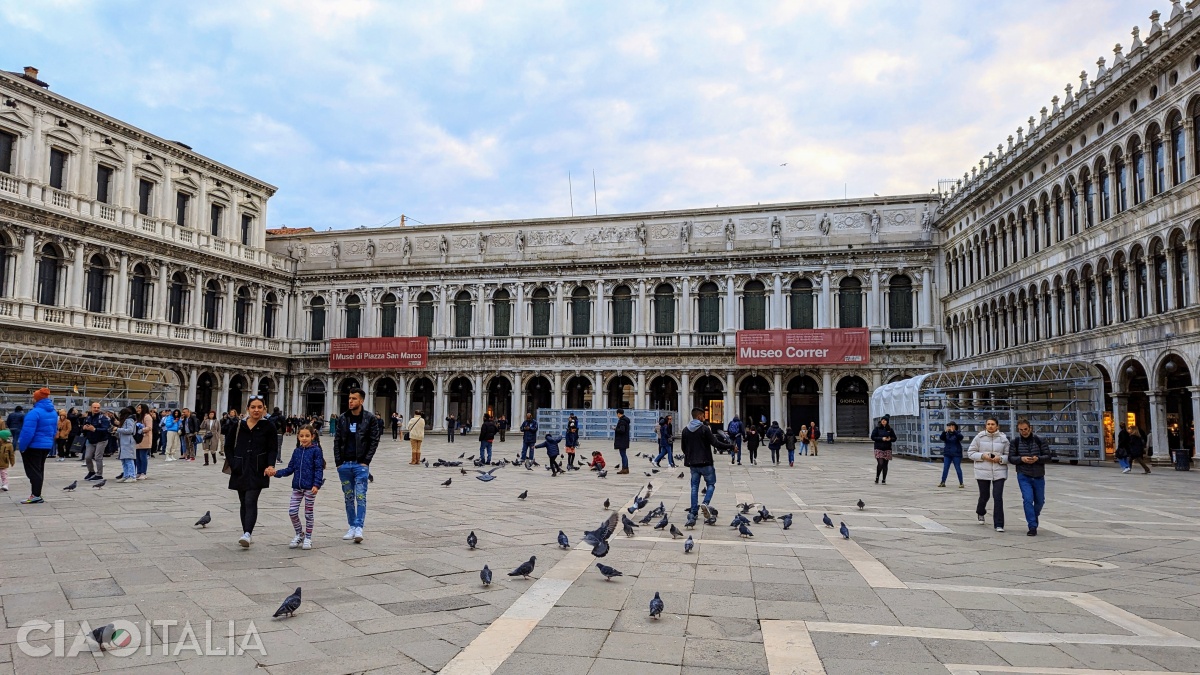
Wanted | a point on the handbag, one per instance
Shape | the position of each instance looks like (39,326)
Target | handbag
(226,468)
(406,436)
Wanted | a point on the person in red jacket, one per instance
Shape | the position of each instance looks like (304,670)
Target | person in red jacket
(597,462)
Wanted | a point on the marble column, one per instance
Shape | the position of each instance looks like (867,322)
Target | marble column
(558,398)
(121,287)
(684,322)
(598,393)
(442,324)
(1195,392)
(77,274)
(222,397)
(826,415)
(477,409)
(600,311)
(777,301)
(729,401)
(926,308)
(405,327)
(874,319)
(777,398)
(227,311)
(640,313)
(189,400)
(437,415)
(640,397)
(197,300)
(1158,422)
(27,267)
(825,311)
(731,323)
(330,399)
(685,400)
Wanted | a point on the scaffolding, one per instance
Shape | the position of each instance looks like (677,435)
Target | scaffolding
(75,381)
(1062,402)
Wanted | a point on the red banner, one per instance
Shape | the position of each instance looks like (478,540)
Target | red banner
(804,346)
(376,353)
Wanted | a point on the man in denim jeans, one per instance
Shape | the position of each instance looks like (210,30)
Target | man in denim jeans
(354,445)
(1030,454)
(697,441)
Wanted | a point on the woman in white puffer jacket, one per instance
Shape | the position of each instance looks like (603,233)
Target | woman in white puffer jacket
(989,452)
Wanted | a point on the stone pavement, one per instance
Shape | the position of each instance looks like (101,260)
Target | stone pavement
(1109,586)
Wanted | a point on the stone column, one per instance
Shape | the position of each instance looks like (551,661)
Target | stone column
(366,326)
(479,324)
(873,316)
(197,299)
(1170,299)
(731,323)
(330,399)
(230,301)
(777,301)
(825,311)
(77,273)
(189,399)
(598,392)
(222,397)
(1158,422)
(405,319)
(477,409)
(441,325)
(558,398)
(121,287)
(640,399)
(27,266)
(161,296)
(729,399)
(684,322)
(686,400)
(439,403)
(926,308)
(640,328)
(1195,391)
(558,324)
(600,311)
(777,398)
(518,313)
(402,395)
(1193,276)
(826,415)
(38,152)
(78,181)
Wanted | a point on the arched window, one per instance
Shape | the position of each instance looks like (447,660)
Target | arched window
(900,302)
(270,309)
(1138,157)
(1160,282)
(1033,227)
(1047,227)
(177,299)
(97,284)
(539,304)
(581,311)
(212,304)
(387,315)
(1179,150)
(462,314)
(1141,286)
(664,309)
(139,292)
(709,306)
(754,305)
(1122,181)
(316,329)
(1158,162)
(1181,274)
(353,316)
(850,303)
(1089,198)
(6,252)
(425,314)
(502,313)
(622,309)
(1105,191)
(802,304)
(1060,221)
(241,311)
(1073,206)
(50,265)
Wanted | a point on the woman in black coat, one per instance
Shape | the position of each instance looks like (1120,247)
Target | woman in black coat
(250,449)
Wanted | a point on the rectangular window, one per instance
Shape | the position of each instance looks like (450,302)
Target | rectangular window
(388,318)
(104,176)
(851,309)
(181,208)
(900,307)
(176,304)
(318,324)
(214,220)
(425,319)
(247,223)
(269,321)
(139,292)
(7,143)
(145,189)
(664,314)
(754,306)
(802,309)
(710,313)
(622,315)
(1180,154)
(462,319)
(1105,197)
(503,318)
(581,316)
(58,165)
(541,316)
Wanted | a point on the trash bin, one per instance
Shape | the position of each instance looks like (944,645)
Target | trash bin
(829,437)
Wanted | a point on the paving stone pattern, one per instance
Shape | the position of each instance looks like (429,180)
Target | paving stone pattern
(409,600)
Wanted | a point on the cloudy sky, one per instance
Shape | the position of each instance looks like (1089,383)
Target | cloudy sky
(360,110)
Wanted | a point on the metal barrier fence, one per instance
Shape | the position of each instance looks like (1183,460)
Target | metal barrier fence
(597,424)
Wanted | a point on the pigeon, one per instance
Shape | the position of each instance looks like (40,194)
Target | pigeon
(711,520)
(646,472)
(600,549)
(648,517)
(845,531)
(606,504)
(602,533)
(562,540)
(446,483)
(825,519)
(662,523)
(72,486)
(486,476)
(688,544)
(861,505)
(424,461)
(103,635)
(462,455)
(100,484)
(675,531)
(680,475)
(290,604)
(691,520)
(524,569)
(472,540)
(766,515)
(371,476)
(608,572)
(641,503)
(204,519)
(745,507)
(462,471)
(470,459)
(523,495)
(485,575)
(656,606)
(787,521)
(757,519)
(603,473)
(653,470)
(744,531)
(628,525)
(738,519)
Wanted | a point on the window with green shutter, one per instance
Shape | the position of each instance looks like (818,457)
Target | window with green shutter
(754,305)
(802,304)
(502,314)
(850,301)
(709,307)
(664,309)
(540,304)
(622,323)
(581,312)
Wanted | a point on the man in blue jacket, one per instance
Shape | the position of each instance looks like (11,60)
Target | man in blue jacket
(95,433)
(529,429)
(14,421)
(36,441)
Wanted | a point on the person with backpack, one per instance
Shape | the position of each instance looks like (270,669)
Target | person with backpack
(735,431)
(774,441)
(789,441)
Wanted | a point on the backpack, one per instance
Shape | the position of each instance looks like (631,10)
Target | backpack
(139,435)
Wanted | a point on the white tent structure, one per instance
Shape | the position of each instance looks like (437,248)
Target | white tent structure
(898,398)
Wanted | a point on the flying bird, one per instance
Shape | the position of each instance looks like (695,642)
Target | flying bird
(602,533)
(562,540)
(100,484)
(606,504)
(446,483)
(600,549)
(745,507)
(674,531)
(825,519)
(486,476)
(524,569)
(290,604)
(72,486)
(656,606)
(688,544)
(861,505)
(472,540)
(485,575)
(744,531)
(523,495)
(845,531)
(204,519)
(787,521)
(608,572)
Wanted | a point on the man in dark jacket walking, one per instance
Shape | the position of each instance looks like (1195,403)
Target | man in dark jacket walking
(1029,453)
(621,439)
(95,432)
(696,442)
(487,434)
(354,446)
(15,420)
(529,429)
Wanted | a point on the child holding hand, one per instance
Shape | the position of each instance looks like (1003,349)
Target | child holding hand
(307,469)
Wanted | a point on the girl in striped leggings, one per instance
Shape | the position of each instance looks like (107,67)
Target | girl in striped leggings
(307,469)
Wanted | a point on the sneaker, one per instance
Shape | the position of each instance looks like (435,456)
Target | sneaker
(706,511)
(358,535)
(245,540)
(296,541)
(1032,532)
(980,516)
(95,476)
(89,476)
(33,500)
(140,476)
(999,529)
(349,534)
(961,486)
(941,485)
(4,487)
(307,543)
(1124,470)
(62,459)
